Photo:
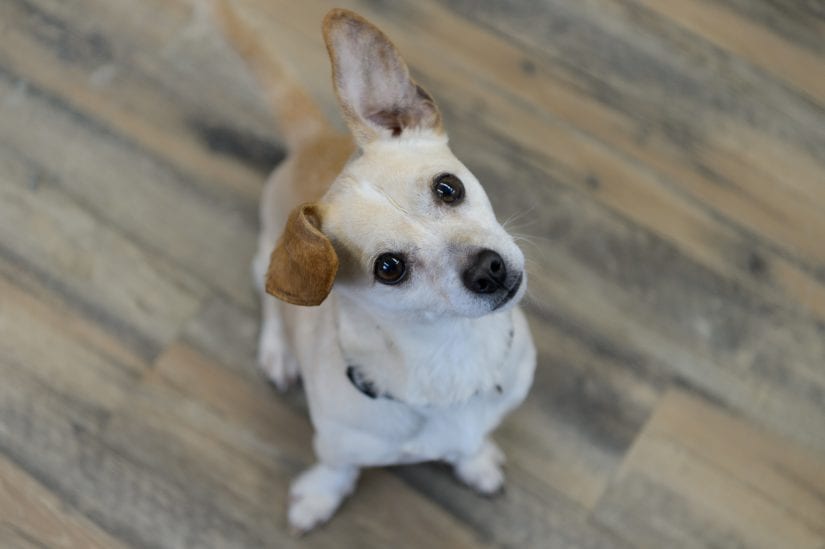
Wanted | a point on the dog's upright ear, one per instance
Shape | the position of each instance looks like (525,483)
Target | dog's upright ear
(378,98)
(303,264)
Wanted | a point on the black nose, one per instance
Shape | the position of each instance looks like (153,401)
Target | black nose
(486,273)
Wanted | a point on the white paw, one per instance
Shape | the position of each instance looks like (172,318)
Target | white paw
(482,472)
(316,494)
(277,362)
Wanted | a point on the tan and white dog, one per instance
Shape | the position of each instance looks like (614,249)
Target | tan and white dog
(400,286)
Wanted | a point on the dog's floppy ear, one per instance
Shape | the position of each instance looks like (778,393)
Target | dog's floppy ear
(378,98)
(302,266)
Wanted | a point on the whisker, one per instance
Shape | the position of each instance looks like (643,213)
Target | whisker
(518,215)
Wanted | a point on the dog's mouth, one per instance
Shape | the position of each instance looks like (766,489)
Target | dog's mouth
(511,292)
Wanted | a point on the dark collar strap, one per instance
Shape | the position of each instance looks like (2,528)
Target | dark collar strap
(364,385)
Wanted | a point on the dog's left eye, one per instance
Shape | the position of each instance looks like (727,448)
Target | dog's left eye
(448,188)
(390,268)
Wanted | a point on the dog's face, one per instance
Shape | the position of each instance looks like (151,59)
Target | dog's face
(416,233)
(405,229)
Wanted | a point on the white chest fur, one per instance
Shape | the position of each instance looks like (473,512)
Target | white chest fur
(427,363)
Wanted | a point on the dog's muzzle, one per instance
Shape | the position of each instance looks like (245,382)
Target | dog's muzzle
(487,275)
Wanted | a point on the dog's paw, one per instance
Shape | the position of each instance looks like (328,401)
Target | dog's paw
(277,362)
(316,494)
(483,471)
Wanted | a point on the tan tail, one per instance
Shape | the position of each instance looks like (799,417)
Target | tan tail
(297,114)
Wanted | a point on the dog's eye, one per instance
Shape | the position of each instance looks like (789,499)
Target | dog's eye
(390,268)
(448,188)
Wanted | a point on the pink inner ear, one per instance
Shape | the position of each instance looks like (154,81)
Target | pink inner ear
(393,119)
(373,83)
(417,111)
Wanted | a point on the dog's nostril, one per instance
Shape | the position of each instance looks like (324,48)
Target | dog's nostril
(486,273)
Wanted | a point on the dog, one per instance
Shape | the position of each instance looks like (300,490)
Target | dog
(396,286)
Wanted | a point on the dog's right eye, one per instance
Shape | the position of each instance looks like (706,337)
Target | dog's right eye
(390,268)
(448,188)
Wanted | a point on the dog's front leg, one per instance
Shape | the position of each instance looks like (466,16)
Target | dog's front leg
(274,355)
(482,471)
(316,494)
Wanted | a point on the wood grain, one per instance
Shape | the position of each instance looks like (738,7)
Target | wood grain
(660,163)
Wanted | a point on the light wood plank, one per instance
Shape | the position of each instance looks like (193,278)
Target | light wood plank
(37,516)
(49,341)
(733,481)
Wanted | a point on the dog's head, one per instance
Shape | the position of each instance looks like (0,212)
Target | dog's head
(405,228)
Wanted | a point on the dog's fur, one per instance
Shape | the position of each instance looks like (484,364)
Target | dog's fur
(418,371)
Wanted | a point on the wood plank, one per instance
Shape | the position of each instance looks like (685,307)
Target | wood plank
(797,21)
(48,341)
(128,75)
(799,67)
(36,516)
(148,202)
(698,476)
(58,444)
(228,335)
(97,268)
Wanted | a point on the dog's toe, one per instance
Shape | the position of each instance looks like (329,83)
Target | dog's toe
(482,472)
(307,512)
(316,494)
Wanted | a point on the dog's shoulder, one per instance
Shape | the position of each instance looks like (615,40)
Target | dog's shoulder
(317,163)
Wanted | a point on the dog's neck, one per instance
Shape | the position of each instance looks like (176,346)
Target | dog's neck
(425,362)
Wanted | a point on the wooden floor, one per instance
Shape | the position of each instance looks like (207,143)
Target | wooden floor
(665,162)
